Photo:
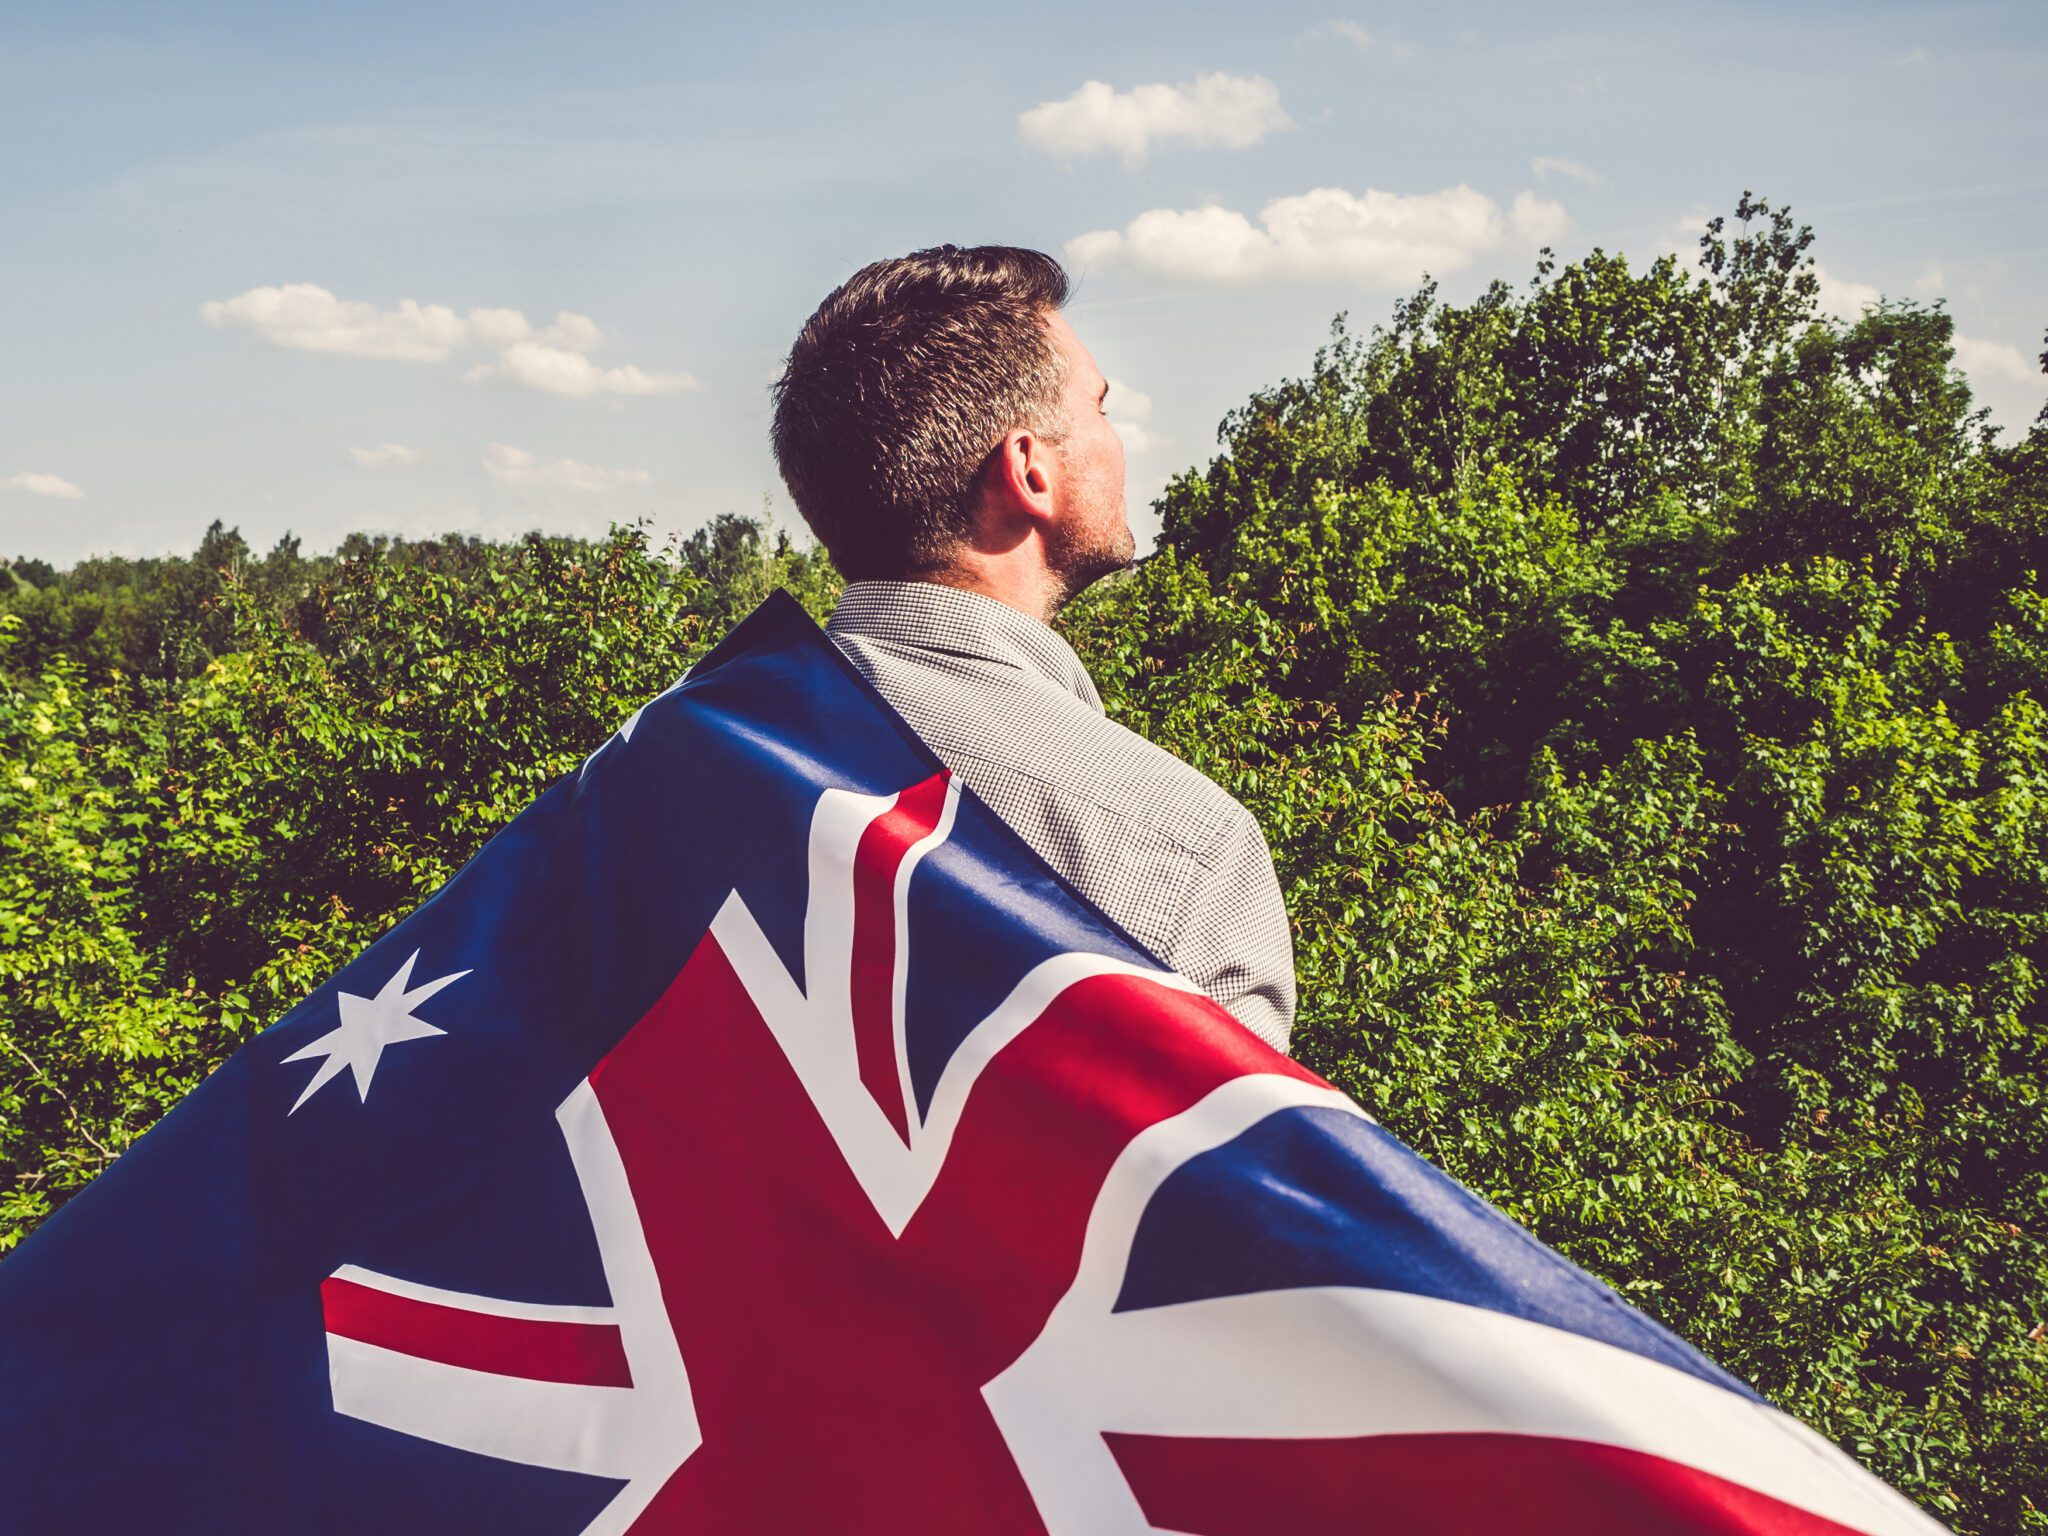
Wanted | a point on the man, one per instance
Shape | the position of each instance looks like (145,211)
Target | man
(941,428)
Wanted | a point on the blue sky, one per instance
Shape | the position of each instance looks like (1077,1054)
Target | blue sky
(436,268)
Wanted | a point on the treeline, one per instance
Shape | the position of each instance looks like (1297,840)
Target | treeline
(1640,678)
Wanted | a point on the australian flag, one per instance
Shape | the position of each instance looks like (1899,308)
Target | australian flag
(757,1137)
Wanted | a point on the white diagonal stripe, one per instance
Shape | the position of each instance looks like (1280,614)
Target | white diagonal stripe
(812,1023)
(1339,1362)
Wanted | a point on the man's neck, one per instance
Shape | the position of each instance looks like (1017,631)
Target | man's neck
(1037,594)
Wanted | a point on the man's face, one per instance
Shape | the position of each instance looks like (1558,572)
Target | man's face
(1091,537)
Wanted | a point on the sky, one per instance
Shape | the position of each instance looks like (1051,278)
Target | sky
(432,268)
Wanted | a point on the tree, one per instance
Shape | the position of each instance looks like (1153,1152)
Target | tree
(1715,952)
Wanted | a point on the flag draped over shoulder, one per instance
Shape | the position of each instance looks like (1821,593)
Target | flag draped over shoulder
(757,1137)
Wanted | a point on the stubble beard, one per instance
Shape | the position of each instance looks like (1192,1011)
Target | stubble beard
(1085,557)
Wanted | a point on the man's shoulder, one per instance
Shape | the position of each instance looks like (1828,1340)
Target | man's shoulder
(979,715)
(1086,756)
(1178,785)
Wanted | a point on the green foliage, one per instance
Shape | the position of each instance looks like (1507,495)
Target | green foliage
(187,855)
(1642,680)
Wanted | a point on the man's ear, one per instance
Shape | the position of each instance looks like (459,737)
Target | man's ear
(1017,481)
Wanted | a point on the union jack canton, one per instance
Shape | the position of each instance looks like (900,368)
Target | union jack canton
(756,1137)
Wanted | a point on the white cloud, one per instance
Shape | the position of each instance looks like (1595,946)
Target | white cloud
(553,358)
(1138,440)
(1933,280)
(1127,404)
(1538,220)
(509,327)
(1998,360)
(499,327)
(1681,238)
(1364,41)
(1547,166)
(387,453)
(307,318)
(516,467)
(1373,237)
(1230,111)
(577,333)
(1843,298)
(559,371)
(43,485)
(1128,410)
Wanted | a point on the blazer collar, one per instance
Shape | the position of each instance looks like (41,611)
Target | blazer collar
(923,615)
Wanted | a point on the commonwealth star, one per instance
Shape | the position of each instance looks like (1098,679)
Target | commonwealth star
(368,1024)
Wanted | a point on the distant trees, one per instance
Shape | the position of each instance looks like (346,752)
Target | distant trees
(1640,678)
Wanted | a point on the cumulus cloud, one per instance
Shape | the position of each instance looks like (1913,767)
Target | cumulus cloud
(1372,237)
(560,371)
(384,455)
(516,467)
(43,485)
(1840,297)
(509,327)
(1998,360)
(1984,361)
(1547,166)
(1129,410)
(306,318)
(1537,220)
(1226,111)
(555,358)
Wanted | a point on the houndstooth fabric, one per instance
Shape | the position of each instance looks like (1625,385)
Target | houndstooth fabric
(1007,706)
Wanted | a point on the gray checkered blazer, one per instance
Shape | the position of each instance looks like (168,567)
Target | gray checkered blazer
(1005,704)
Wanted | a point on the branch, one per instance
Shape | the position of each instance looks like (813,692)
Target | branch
(70,1109)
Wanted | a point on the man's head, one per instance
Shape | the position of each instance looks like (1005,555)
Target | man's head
(938,411)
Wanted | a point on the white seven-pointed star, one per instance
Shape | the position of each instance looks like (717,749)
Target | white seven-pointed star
(368,1024)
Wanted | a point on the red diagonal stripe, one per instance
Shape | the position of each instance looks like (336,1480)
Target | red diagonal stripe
(875,863)
(1441,1485)
(1004,1223)
(582,1354)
